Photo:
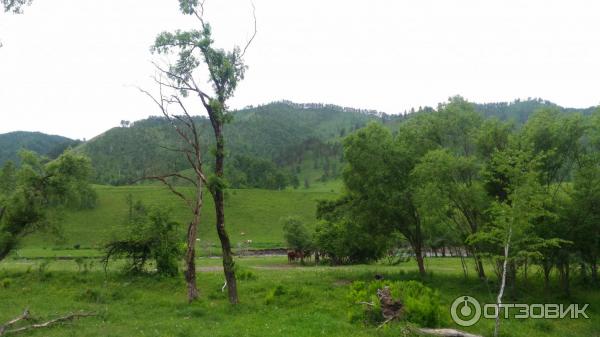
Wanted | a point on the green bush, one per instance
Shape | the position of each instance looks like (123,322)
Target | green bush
(295,234)
(421,303)
(272,294)
(244,274)
(152,235)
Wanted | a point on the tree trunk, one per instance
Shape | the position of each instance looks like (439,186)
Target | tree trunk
(563,269)
(464,266)
(228,263)
(7,246)
(190,255)
(594,271)
(501,292)
(480,271)
(4,251)
(547,268)
(190,261)
(420,261)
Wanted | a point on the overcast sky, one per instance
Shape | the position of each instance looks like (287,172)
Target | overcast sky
(71,67)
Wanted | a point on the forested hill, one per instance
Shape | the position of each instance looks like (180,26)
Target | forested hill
(261,140)
(47,145)
(520,110)
(269,146)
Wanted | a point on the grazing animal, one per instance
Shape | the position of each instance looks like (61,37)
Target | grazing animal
(378,277)
(308,255)
(299,255)
(291,256)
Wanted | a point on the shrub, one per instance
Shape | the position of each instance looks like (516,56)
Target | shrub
(296,235)
(345,242)
(244,274)
(152,235)
(421,303)
(272,294)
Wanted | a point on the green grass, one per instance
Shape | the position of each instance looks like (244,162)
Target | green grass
(314,300)
(255,213)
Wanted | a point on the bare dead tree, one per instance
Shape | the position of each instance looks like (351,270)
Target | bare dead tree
(186,128)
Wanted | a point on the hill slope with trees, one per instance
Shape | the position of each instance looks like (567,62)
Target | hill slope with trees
(281,133)
(269,146)
(47,145)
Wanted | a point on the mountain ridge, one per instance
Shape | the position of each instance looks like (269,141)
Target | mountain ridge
(302,139)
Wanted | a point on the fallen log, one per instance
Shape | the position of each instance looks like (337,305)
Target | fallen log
(5,329)
(447,333)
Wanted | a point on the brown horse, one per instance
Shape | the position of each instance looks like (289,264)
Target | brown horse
(291,256)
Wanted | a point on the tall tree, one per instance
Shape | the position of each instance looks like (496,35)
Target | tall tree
(377,179)
(225,69)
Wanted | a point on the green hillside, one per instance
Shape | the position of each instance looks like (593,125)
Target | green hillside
(47,145)
(256,213)
(281,132)
(520,110)
(302,141)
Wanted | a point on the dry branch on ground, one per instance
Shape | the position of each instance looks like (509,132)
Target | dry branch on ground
(10,327)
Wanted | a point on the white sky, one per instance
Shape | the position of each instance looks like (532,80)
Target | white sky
(70,67)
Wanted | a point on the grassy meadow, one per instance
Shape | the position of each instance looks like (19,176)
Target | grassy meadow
(251,214)
(277,299)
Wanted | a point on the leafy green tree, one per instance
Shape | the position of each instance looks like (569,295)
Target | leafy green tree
(380,195)
(342,239)
(450,186)
(41,189)
(557,140)
(225,69)
(296,235)
(583,214)
(8,178)
(513,218)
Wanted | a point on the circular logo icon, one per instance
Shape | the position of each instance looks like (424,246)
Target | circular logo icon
(465,311)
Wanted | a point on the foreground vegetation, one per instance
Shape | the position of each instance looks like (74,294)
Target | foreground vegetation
(276,299)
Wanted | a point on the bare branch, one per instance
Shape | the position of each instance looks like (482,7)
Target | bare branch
(164,109)
(173,149)
(446,333)
(163,179)
(253,35)
(26,316)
